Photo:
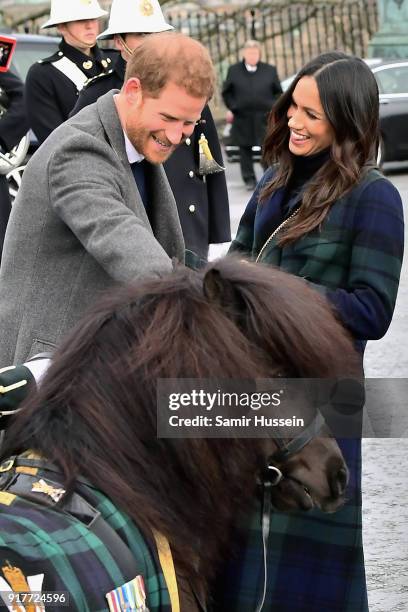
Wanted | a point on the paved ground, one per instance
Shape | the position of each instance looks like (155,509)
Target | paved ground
(385,461)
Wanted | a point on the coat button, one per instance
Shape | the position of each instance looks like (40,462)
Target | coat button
(60,53)
(188,141)
(191,208)
(191,174)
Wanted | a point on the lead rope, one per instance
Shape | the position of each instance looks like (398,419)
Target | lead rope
(271,478)
(266,523)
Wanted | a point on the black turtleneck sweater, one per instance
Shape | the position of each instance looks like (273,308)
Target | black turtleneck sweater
(305,166)
(268,217)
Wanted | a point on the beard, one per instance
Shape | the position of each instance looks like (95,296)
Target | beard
(144,142)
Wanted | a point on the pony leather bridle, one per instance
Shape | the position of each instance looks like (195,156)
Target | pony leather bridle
(272,476)
(287,449)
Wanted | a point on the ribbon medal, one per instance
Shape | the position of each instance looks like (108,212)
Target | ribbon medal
(130,597)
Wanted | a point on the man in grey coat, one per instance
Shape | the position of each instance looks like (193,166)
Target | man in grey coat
(95,207)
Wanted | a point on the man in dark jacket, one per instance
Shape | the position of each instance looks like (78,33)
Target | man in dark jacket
(249,92)
(13,126)
(200,190)
(53,83)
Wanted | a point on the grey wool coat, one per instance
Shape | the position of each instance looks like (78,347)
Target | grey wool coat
(77,228)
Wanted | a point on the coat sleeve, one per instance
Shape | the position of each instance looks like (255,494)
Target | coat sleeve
(42,109)
(276,85)
(367,305)
(14,124)
(228,91)
(218,204)
(86,194)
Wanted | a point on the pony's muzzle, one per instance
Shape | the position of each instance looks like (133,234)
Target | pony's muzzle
(338,482)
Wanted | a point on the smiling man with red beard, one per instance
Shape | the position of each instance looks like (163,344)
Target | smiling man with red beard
(157,125)
(95,207)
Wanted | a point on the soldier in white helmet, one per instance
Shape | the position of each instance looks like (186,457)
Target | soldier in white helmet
(53,84)
(200,190)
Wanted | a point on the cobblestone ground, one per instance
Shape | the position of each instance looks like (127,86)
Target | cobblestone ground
(385,461)
(385,523)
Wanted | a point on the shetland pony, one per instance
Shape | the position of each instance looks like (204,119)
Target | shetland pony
(90,431)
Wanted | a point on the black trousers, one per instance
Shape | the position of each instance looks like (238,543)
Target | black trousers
(5,208)
(247,165)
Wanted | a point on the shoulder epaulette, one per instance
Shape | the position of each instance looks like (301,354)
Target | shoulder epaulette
(52,58)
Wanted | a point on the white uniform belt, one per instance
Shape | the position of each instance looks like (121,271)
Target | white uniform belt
(71,70)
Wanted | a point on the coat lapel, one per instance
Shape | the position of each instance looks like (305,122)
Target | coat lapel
(165,219)
(114,132)
(111,124)
(268,217)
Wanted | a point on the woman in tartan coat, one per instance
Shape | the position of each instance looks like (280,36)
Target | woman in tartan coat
(323,212)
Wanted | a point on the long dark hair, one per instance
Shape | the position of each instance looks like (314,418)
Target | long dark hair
(349,96)
(95,411)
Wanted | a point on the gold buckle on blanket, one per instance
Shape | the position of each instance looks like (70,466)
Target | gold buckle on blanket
(7,465)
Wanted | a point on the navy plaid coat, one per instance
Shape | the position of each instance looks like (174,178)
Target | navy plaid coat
(315,560)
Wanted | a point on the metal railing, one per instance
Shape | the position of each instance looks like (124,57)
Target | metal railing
(290,34)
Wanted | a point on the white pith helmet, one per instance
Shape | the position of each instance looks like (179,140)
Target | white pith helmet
(64,11)
(135,17)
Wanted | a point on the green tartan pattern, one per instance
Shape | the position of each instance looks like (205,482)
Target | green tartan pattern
(316,561)
(355,257)
(38,539)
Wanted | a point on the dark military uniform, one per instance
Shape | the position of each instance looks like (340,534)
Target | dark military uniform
(13,126)
(16,382)
(53,84)
(202,201)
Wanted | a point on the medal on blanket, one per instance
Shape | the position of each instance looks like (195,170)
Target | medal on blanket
(43,487)
(128,597)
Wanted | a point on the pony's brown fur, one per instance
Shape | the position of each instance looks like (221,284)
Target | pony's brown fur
(95,412)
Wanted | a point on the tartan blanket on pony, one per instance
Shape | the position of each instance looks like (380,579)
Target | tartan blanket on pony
(52,553)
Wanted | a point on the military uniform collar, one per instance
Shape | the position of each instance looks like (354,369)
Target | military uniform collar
(83,61)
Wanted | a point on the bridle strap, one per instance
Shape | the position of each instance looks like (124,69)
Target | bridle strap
(266,524)
(272,477)
(296,444)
